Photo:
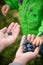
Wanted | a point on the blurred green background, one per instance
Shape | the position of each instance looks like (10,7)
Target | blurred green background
(8,54)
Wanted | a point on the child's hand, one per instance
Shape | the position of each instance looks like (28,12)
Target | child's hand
(5,9)
(5,39)
(31,37)
(23,58)
(38,41)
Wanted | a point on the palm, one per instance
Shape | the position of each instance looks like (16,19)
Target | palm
(6,39)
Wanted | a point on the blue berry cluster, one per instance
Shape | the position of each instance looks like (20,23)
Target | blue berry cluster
(28,47)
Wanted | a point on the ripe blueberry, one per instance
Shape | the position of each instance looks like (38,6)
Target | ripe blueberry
(9,33)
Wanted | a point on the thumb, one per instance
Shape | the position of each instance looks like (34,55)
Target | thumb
(4,30)
(36,52)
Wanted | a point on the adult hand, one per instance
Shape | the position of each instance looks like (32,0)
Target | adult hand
(5,39)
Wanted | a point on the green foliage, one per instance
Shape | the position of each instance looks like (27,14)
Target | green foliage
(31,16)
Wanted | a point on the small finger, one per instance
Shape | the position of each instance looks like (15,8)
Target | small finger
(34,42)
(16,30)
(29,37)
(36,52)
(32,38)
(10,27)
(16,33)
(14,27)
(22,40)
(37,42)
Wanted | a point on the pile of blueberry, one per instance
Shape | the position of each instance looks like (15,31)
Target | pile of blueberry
(28,47)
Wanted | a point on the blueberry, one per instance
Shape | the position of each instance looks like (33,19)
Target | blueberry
(34,46)
(24,47)
(26,42)
(29,49)
(28,45)
(9,33)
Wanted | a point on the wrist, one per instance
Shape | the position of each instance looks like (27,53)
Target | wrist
(18,60)
(15,63)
